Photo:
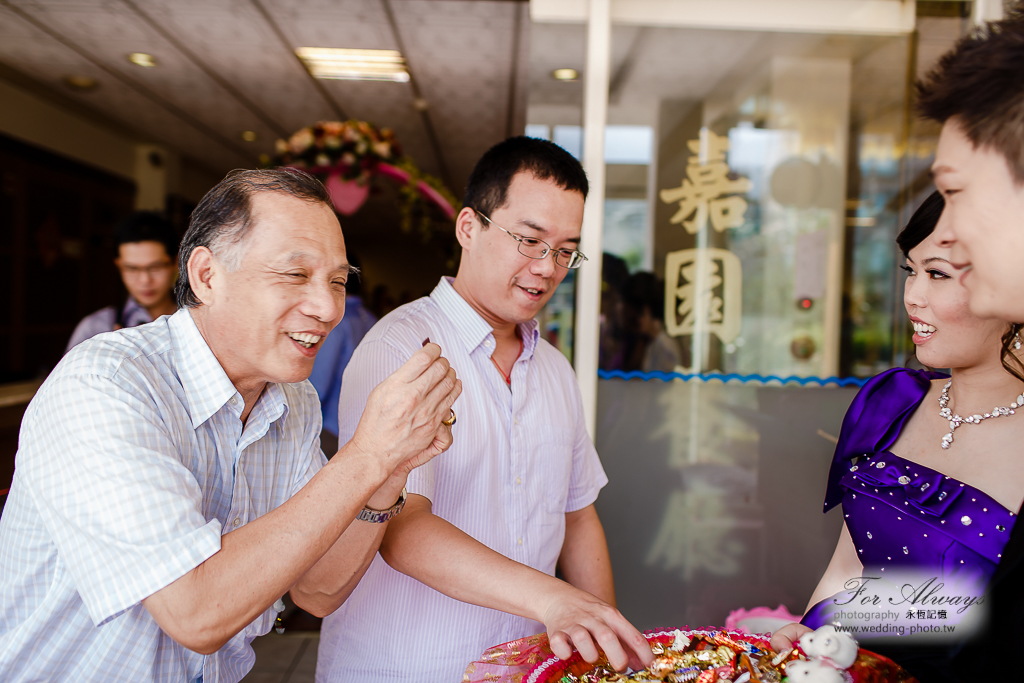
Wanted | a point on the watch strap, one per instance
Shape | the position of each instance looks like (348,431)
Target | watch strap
(368,514)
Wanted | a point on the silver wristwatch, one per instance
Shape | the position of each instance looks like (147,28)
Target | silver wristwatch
(378,516)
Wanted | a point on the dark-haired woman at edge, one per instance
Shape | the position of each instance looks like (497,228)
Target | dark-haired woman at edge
(916,494)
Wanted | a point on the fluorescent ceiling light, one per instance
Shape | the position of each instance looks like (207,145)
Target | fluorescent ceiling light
(354,65)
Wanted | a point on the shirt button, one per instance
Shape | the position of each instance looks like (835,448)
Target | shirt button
(233,400)
(487,343)
(520,541)
(516,420)
(518,480)
(237,521)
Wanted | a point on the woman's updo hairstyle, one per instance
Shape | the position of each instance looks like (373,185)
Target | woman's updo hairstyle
(919,227)
(921,224)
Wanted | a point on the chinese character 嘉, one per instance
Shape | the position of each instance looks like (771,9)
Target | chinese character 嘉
(701,192)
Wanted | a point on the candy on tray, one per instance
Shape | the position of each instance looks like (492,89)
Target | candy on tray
(718,657)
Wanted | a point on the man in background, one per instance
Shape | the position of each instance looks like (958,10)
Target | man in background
(147,247)
(336,352)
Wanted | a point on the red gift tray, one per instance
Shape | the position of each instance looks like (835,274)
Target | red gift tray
(869,667)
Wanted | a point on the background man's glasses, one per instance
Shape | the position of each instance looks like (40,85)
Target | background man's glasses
(537,249)
(152,270)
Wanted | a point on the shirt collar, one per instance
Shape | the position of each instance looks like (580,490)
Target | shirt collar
(470,325)
(132,313)
(207,387)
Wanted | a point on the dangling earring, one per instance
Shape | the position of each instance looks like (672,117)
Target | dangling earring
(1016,338)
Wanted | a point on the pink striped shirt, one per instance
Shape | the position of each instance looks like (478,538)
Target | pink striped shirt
(520,461)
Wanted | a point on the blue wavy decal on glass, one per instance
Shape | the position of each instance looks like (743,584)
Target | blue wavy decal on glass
(705,376)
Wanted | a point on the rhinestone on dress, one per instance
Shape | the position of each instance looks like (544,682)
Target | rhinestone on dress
(1000,527)
(869,534)
(905,551)
(904,480)
(853,469)
(965,520)
(925,486)
(943,495)
(880,465)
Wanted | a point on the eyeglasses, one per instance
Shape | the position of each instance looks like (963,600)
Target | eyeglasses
(154,270)
(531,247)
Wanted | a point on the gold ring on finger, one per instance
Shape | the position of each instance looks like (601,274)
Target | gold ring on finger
(451,419)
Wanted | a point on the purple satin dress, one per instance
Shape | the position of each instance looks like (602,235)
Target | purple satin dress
(902,515)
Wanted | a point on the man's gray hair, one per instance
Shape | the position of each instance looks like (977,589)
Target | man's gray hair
(222,220)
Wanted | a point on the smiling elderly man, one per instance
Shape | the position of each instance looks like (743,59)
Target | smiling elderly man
(170,486)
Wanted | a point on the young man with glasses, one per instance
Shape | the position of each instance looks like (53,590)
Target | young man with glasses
(471,562)
(147,247)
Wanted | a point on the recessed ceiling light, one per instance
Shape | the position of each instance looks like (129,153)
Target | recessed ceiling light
(81,83)
(142,59)
(249,135)
(565,74)
(354,65)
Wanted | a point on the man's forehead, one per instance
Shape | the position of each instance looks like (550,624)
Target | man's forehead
(548,230)
(274,213)
(300,256)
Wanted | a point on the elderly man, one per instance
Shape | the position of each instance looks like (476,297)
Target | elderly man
(170,487)
(484,530)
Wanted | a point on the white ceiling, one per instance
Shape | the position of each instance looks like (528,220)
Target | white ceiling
(225,66)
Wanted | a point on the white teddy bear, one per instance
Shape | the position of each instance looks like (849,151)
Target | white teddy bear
(814,671)
(839,647)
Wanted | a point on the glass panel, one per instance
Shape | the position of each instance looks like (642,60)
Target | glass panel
(712,502)
(555,112)
(755,248)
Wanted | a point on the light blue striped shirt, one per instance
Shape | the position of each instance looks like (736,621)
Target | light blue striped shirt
(521,460)
(132,463)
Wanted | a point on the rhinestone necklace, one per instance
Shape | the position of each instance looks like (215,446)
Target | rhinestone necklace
(957,421)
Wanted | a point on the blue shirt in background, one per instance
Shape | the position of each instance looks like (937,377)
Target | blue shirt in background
(334,355)
(105,320)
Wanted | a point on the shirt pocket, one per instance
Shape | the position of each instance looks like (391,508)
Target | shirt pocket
(551,464)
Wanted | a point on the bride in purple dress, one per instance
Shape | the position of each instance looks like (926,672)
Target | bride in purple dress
(922,489)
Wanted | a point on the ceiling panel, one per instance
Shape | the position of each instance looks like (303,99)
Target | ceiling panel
(225,66)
